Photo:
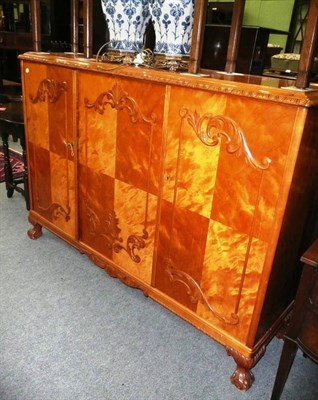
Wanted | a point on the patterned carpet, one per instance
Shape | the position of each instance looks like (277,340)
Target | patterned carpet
(16,163)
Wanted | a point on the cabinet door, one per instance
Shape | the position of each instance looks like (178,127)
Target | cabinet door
(223,176)
(50,133)
(120,128)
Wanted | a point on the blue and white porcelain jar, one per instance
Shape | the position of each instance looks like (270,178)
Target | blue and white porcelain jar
(127,21)
(173,24)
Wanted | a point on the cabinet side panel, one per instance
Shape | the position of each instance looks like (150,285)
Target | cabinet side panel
(299,223)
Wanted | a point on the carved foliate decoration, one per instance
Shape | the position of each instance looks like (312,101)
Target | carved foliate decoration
(210,129)
(133,243)
(109,230)
(118,99)
(115,272)
(49,89)
(195,292)
(56,211)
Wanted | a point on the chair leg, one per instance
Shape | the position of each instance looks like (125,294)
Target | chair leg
(8,177)
(286,361)
(25,173)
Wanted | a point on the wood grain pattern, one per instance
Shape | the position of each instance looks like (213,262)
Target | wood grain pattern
(195,189)
(48,132)
(121,145)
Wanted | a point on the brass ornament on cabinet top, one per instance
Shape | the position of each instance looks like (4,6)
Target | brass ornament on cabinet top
(172,63)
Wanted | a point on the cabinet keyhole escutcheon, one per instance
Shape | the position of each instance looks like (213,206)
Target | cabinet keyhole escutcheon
(70,145)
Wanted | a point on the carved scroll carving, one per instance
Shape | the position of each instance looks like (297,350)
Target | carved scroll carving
(114,272)
(56,211)
(195,292)
(133,243)
(211,128)
(50,89)
(118,99)
(109,230)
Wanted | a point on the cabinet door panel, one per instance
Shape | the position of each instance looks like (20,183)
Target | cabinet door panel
(222,187)
(120,155)
(51,143)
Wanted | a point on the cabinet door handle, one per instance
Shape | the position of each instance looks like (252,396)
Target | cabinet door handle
(70,145)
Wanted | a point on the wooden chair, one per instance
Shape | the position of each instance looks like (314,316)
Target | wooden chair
(12,123)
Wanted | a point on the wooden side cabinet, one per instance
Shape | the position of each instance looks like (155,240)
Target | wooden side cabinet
(303,330)
(193,189)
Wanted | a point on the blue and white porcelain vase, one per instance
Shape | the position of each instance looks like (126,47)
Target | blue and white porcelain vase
(173,24)
(127,21)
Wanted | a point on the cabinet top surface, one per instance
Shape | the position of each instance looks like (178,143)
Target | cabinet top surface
(260,87)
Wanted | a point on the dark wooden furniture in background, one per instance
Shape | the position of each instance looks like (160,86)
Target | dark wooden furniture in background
(219,12)
(87,37)
(297,26)
(302,332)
(80,26)
(307,52)
(252,51)
(48,20)
(15,37)
(12,123)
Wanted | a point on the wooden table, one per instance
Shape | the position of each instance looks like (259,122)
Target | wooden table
(303,330)
(12,123)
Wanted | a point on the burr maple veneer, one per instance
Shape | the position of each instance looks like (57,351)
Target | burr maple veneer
(195,189)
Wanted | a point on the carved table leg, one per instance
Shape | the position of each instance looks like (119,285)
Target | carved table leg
(243,377)
(36,231)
